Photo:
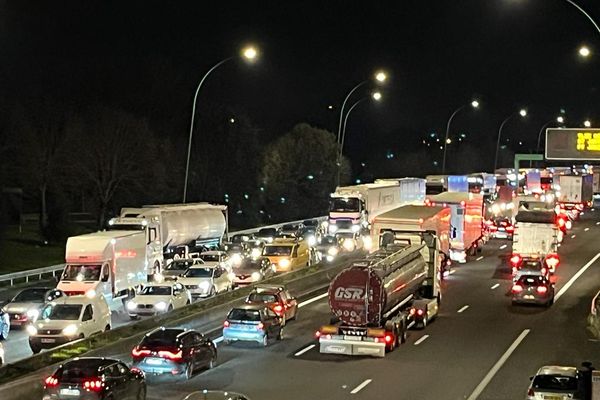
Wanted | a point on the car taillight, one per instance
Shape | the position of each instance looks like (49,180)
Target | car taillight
(561,222)
(94,384)
(542,289)
(517,288)
(515,259)
(413,311)
(544,271)
(388,338)
(260,326)
(317,334)
(278,308)
(51,381)
(419,311)
(530,392)
(170,355)
(510,228)
(226,324)
(136,352)
(552,261)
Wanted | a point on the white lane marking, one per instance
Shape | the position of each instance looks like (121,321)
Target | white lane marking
(452,271)
(495,286)
(412,323)
(306,302)
(503,246)
(598,223)
(573,236)
(586,229)
(575,277)
(479,258)
(304,350)
(486,380)
(463,308)
(418,342)
(361,386)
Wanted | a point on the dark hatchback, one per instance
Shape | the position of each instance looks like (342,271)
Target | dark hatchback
(94,378)
(533,289)
(174,351)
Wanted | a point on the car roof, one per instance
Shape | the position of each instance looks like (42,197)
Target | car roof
(93,362)
(78,299)
(251,307)
(205,265)
(271,289)
(557,370)
(166,283)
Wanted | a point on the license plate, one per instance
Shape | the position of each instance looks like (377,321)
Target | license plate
(353,338)
(553,397)
(70,392)
(530,297)
(48,340)
(154,361)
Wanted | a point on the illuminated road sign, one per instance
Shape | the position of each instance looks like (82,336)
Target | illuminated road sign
(573,144)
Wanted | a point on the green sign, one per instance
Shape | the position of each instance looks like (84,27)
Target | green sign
(573,144)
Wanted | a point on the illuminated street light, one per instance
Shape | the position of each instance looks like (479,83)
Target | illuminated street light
(587,123)
(380,76)
(560,119)
(474,104)
(448,141)
(249,53)
(376,96)
(523,113)
(584,51)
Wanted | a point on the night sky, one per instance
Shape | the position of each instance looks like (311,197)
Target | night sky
(148,56)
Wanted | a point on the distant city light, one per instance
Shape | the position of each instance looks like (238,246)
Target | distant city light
(310,177)
(246,196)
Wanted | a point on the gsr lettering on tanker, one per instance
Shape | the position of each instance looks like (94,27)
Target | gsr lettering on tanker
(351,293)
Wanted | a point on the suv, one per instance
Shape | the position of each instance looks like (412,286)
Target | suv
(174,351)
(277,298)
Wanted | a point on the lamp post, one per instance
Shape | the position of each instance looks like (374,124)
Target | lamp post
(248,53)
(587,123)
(588,16)
(474,104)
(523,113)
(560,119)
(380,77)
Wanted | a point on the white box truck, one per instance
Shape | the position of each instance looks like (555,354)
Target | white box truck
(466,222)
(536,235)
(112,263)
(353,208)
(575,189)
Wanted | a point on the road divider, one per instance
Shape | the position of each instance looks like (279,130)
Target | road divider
(490,375)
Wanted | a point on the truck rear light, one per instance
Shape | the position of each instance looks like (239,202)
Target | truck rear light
(94,384)
(515,259)
(552,260)
(517,288)
(544,271)
(317,334)
(51,381)
(413,311)
(542,289)
(388,338)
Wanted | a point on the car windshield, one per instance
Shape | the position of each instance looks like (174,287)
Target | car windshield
(61,312)
(344,204)
(76,371)
(239,314)
(267,232)
(554,382)
(262,298)
(532,280)
(31,296)
(82,273)
(199,273)
(156,291)
(161,338)
(126,227)
(180,265)
(277,250)
(210,257)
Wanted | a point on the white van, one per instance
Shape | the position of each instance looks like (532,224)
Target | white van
(69,318)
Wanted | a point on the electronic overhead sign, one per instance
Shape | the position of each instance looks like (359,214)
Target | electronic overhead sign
(573,144)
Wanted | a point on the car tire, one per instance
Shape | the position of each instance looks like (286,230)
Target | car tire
(213,292)
(213,362)
(265,341)
(4,332)
(141,393)
(189,371)
(280,334)
(35,349)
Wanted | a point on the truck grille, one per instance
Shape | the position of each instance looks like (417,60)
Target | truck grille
(49,331)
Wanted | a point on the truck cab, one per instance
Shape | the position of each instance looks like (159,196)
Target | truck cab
(347,213)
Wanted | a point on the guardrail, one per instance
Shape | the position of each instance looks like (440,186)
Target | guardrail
(56,269)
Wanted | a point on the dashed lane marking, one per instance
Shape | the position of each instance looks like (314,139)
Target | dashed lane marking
(361,386)
(495,286)
(304,350)
(463,308)
(421,340)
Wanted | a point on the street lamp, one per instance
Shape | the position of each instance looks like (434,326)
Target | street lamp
(249,54)
(375,96)
(584,13)
(523,113)
(584,51)
(587,123)
(474,104)
(560,119)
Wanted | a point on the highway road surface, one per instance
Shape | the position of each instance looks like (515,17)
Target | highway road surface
(479,347)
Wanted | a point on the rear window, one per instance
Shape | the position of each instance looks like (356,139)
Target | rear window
(267,232)
(181,265)
(76,372)
(31,295)
(167,337)
(532,265)
(277,250)
(238,314)
(157,291)
(199,273)
(532,280)
(210,257)
(554,382)
(262,298)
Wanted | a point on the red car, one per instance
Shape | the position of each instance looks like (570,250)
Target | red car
(277,298)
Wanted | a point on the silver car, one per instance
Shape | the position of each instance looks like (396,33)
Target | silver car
(554,382)
(177,267)
(26,305)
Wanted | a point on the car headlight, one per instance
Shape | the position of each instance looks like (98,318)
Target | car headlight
(348,244)
(33,314)
(131,305)
(312,241)
(256,276)
(355,228)
(255,253)
(333,251)
(204,286)
(231,276)
(70,330)
(31,330)
(333,228)
(284,263)
(90,294)
(236,259)
(161,306)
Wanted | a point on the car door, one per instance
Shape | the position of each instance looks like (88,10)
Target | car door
(201,350)
(116,380)
(291,304)
(130,385)
(271,322)
(88,325)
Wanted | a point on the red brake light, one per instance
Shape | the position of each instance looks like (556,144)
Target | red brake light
(544,271)
(514,270)
(260,326)
(419,311)
(515,259)
(51,381)
(517,288)
(170,355)
(278,309)
(226,324)
(413,311)
(136,352)
(542,289)
(317,334)
(530,392)
(94,384)
(388,338)
(561,222)
(510,228)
